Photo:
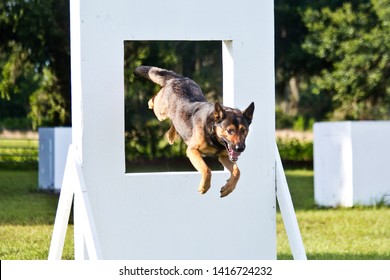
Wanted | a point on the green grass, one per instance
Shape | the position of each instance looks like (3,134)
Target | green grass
(27,216)
(20,203)
(335,234)
(22,142)
(15,153)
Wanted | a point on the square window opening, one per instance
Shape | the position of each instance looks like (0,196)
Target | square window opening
(146,145)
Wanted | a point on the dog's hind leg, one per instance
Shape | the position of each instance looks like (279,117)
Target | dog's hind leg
(234,175)
(197,161)
(171,134)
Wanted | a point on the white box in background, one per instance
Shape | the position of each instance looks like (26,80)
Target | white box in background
(53,149)
(351,163)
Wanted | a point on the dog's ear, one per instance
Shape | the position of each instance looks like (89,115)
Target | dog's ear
(248,112)
(219,112)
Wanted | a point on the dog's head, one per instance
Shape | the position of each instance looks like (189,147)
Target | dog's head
(232,127)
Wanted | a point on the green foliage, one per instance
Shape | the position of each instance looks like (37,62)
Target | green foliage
(17,74)
(201,61)
(17,79)
(297,123)
(22,124)
(48,105)
(303,124)
(295,150)
(283,120)
(353,41)
(35,60)
(293,65)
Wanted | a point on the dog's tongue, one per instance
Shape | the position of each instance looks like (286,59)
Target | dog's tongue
(233,155)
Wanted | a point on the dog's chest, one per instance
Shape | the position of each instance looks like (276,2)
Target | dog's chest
(209,151)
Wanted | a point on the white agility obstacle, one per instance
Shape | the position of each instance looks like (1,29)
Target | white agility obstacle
(161,215)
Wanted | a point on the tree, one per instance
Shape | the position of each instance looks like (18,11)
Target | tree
(289,56)
(354,44)
(295,103)
(34,43)
(17,80)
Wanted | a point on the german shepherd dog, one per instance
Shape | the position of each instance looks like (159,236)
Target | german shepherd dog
(207,128)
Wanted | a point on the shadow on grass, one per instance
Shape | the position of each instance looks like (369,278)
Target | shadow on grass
(34,208)
(20,201)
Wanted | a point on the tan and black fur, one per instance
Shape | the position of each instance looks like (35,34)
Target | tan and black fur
(207,128)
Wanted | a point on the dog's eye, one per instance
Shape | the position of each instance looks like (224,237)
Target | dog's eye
(243,130)
(230,131)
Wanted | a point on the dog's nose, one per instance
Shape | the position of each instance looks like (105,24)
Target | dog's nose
(239,148)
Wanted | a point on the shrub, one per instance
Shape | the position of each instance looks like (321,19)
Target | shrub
(295,150)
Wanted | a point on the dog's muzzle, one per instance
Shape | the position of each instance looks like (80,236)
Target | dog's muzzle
(234,151)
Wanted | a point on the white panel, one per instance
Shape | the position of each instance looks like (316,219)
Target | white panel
(46,159)
(351,163)
(333,164)
(63,138)
(161,215)
(371,154)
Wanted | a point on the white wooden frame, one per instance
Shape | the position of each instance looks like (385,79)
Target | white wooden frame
(161,215)
(85,234)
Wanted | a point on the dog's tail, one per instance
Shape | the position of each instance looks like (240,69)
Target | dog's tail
(155,74)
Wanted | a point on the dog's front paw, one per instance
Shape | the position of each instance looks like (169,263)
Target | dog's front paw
(228,188)
(203,188)
(205,183)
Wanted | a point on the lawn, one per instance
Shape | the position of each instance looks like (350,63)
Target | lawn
(341,233)
(15,153)
(27,216)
